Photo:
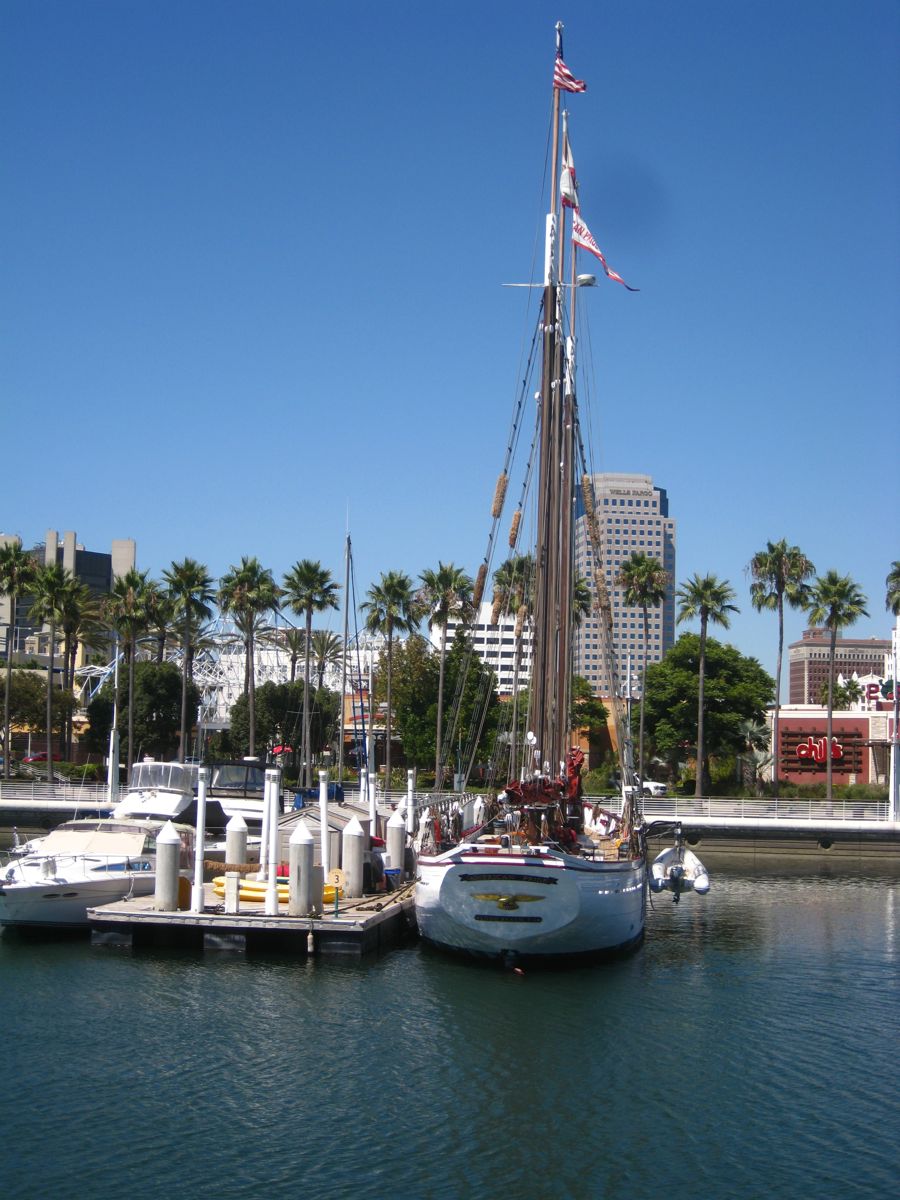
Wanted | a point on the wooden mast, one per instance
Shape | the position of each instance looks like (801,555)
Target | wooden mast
(544,702)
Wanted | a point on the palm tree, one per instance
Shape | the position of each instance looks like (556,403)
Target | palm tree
(892,583)
(160,610)
(126,612)
(582,600)
(445,593)
(191,592)
(309,588)
(514,592)
(779,574)
(48,591)
(80,622)
(247,592)
(295,643)
(390,608)
(709,599)
(835,602)
(327,651)
(17,569)
(644,582)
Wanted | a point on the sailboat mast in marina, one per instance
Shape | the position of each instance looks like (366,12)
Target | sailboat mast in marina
(530,883)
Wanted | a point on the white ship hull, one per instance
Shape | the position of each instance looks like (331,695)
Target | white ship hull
(541,905)
(64,905)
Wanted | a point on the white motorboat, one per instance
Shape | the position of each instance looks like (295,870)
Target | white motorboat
(80,865)
(168,791)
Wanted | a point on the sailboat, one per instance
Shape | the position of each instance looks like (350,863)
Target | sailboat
(537,882)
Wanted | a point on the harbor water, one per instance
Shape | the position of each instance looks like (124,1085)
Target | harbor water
(749,1048)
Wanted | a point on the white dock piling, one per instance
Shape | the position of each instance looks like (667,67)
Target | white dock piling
(232,892)
(236,841)
(373,808)
(261,873)
(353,853)
(323,821)
(168,855)
(301,850)
(410,805)
(197,890)
(396,841)
(272,793)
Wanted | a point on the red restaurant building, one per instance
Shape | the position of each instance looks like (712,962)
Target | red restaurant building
(860,751)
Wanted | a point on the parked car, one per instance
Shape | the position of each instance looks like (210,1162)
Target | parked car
(40,757)
(653,788)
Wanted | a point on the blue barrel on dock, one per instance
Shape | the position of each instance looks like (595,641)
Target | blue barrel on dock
(393,877)
(304,797)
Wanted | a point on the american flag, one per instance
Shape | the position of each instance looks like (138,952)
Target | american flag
(583,237)
(564,79)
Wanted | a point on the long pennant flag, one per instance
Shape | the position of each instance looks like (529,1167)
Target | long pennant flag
(564,80)
(582,236)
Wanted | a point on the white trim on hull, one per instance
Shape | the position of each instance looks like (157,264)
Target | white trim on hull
(541,905)
(64,905)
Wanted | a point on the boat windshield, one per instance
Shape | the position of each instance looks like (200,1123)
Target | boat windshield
(173,777)
(238,777)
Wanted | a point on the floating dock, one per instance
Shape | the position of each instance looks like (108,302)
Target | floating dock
(359,927)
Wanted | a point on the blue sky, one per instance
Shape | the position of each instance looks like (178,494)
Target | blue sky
(253,254)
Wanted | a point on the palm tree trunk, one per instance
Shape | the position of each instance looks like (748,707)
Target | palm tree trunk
(387,723)
(130,760)
(251,695)
(830,719)
(10,637)
(643,693)
(50,705)
(438,782)
(698,790)
(776,717)
(182,738)
(307,765)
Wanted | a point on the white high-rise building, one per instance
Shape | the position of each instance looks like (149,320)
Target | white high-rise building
(495,646)
(633,515)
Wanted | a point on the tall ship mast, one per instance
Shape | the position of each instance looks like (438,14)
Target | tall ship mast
(533,880)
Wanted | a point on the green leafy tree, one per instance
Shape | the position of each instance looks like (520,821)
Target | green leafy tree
(191,593)
(28,702)
(780,574)
(834,603)
(644,582)
(737,690)
(308,589)
(279,712)
(445,593)
(17,568)
(248,591)
(416,676)
(390,608)
(48,590)
(153,710)
(704,598)
(126,611)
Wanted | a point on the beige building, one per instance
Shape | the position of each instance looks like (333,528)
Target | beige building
(96,569)
(633,515)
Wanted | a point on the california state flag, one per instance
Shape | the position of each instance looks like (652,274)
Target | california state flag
(568,185)
(582,236)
